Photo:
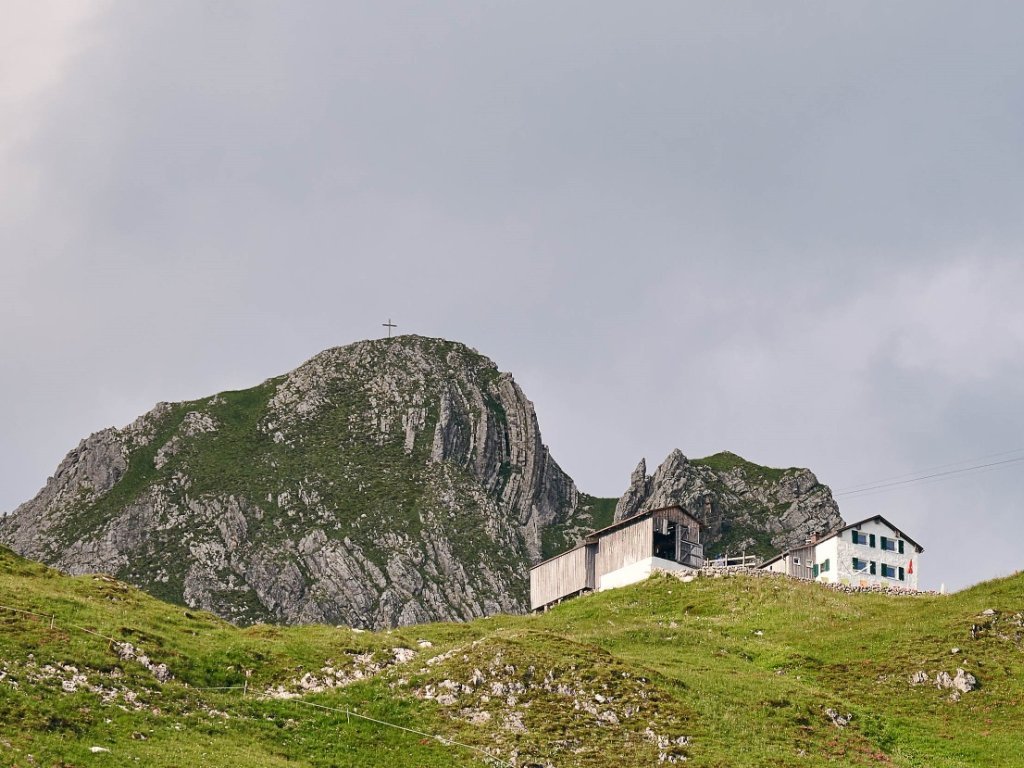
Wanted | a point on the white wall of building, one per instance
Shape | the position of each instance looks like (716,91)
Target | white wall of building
(671,566)
(842,551)
(834,556)
(828,551)
(638,571)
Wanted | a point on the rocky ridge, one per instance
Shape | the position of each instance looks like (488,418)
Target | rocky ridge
(383,483)
(741,506)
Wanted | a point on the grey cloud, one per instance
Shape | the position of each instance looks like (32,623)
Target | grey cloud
(790,231)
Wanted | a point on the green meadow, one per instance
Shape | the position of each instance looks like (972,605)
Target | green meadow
(736,671)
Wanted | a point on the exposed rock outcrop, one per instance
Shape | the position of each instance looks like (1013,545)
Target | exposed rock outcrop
(383,483)
(742,506)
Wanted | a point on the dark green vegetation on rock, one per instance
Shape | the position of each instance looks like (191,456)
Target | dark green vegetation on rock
(385,483)
(744,508)
(725,672)
(388,482)
(592,513)
(729,462)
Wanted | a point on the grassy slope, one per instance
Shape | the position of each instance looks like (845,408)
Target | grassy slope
(744,699)
(726,462)
(592,514)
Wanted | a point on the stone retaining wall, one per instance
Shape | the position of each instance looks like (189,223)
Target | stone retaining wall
(718,572)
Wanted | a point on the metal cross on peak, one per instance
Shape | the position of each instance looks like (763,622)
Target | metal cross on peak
(389,325)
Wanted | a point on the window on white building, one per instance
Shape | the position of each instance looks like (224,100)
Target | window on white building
(891,545)
(859,537)
(892,572)
(862,566)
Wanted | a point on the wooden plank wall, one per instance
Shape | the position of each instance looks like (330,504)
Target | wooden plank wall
(625,546)
(682,518)
(805,555)
(561,576)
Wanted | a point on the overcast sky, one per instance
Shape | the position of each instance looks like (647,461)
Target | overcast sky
(793,230)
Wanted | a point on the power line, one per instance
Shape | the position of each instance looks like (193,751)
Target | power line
(443,740)
(869,490)
(874,483)
(939,479)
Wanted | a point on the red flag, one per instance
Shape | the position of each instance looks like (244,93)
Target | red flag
(910,568)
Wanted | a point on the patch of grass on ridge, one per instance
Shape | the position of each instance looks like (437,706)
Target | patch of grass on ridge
(592,514)
(726,462)
(140,474)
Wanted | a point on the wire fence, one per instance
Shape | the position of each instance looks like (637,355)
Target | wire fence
(246,691)
(441,739)
(349,714)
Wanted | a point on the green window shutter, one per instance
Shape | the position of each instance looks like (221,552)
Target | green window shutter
(871,540)
(854,564)
(884,539)
(901,546)
(871,570)
(815,570)
(901,574)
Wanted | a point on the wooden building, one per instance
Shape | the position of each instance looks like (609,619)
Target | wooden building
(665,539)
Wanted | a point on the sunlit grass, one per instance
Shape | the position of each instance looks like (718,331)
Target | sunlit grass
(744,666)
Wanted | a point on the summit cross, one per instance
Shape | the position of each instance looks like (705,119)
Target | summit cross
(389,325)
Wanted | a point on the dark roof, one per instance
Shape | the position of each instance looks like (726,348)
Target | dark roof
(837,531)
(870,519)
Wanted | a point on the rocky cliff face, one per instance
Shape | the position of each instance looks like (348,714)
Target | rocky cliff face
(742,506)
(383,483)
(389,482)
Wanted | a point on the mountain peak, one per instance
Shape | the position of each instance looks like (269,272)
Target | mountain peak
(385,482)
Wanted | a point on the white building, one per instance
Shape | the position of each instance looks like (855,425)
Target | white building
(870,552)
